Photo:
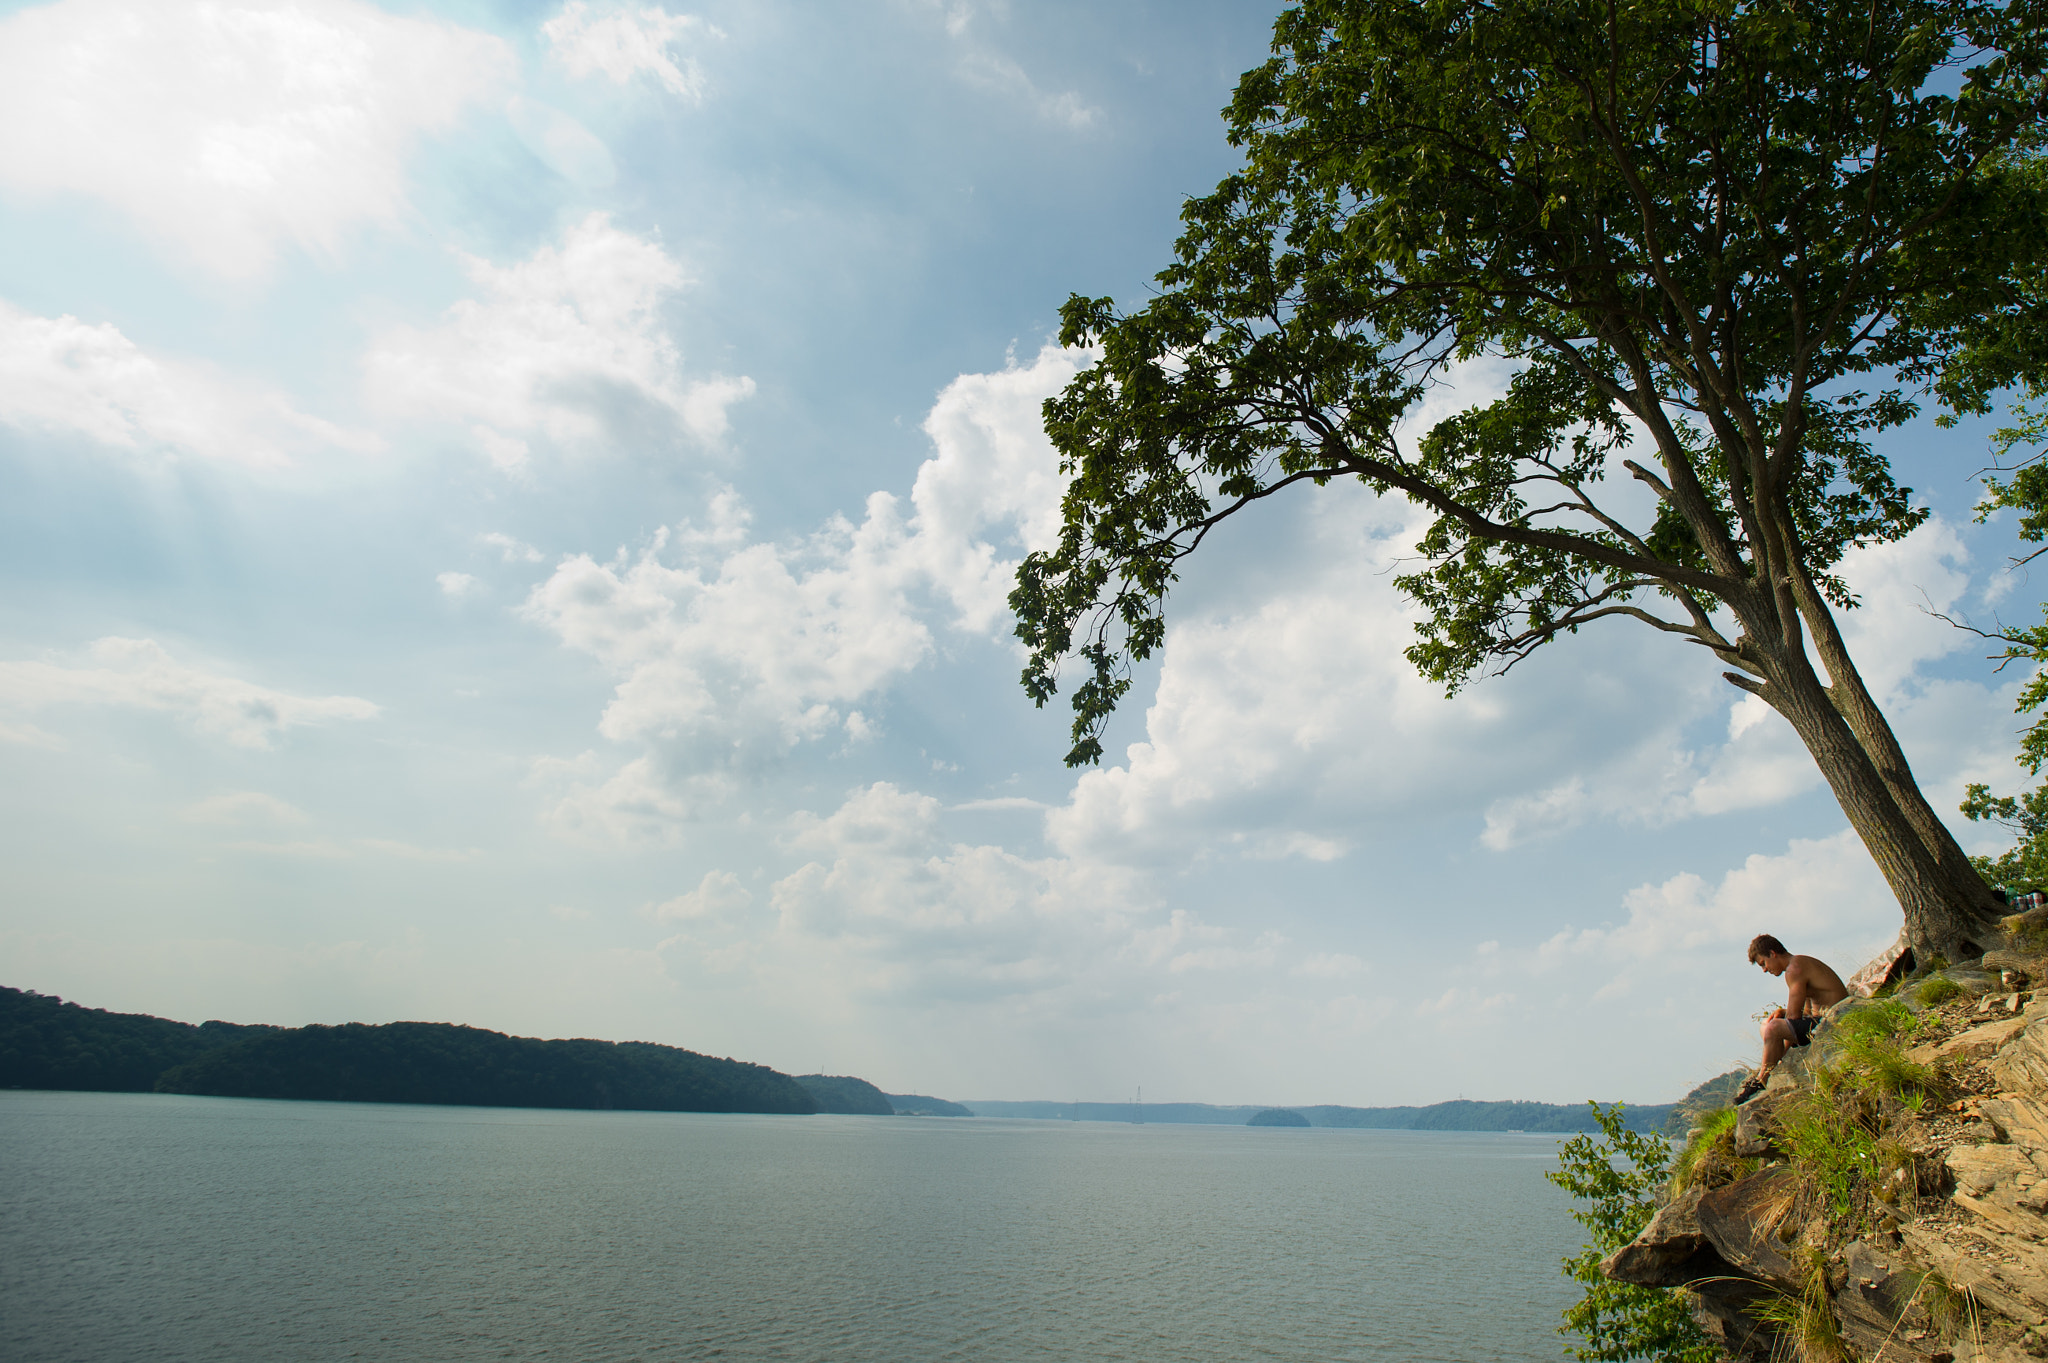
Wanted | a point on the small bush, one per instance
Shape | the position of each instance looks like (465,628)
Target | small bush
(1709,1159)
(1619,1177)
(1938,991)
(1870,1046)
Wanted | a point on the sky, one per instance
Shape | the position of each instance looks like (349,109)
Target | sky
(508,513)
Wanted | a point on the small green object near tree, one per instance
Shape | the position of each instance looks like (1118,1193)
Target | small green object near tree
(1719,245)
(1618,1178)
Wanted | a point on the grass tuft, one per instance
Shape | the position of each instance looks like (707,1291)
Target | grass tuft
(1709,1159)
(1806,1323)
(1938,991)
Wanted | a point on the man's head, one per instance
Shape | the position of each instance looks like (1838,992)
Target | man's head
(1769,953)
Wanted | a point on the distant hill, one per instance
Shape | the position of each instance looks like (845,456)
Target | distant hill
(1460,1115)
(918,1105)
(439,1062)
(845,1094)
(46,1043)
(1716,1092)
(1277,1116)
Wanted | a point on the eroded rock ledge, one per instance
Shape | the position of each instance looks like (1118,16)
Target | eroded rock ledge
(1937,1252)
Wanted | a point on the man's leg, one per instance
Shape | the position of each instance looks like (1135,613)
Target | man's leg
(1777,1038)
(1777,1035)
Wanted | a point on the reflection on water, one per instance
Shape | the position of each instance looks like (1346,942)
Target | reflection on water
(153,1227)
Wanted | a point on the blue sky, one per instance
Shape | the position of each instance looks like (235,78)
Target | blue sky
(508,513)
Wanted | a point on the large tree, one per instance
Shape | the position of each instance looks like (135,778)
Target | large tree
(1721,244)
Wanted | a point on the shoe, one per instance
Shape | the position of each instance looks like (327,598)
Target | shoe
(1751,1087)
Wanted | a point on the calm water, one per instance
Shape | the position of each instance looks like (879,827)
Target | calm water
(162,1228)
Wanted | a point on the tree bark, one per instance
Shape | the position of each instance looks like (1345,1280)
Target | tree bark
(1874,732)
(1947,913)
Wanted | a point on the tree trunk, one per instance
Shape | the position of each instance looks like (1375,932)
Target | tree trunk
(1874,733)
(1942,917)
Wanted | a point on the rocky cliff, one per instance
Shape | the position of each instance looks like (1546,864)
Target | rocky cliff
(1886,1198)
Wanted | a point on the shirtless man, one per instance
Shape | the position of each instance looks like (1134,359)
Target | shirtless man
(1810,990)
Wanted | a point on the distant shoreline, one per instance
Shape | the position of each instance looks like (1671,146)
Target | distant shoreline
(51,1044)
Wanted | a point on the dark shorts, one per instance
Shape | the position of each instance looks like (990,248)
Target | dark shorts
(1802,1030)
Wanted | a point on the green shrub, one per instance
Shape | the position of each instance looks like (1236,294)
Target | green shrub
(1938,991)
(1618,1177)
(1709,1159)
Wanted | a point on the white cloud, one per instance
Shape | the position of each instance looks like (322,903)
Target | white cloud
(1816,889)
(646,801)
(227,130)
(566,346)
(515,551)
(766,643)
(63,375)
(455,586)
(727,648)
(910,912)
(244,807)
(140,674)
(993,482)
(719,895)
(620,42)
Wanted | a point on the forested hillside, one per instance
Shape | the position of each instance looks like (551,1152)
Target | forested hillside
(46,1043)
(844,1094)
(439,1062)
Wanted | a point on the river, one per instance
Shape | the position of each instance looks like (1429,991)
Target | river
(139,1226)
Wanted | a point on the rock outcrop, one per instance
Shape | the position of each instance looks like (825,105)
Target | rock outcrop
(1922,1236)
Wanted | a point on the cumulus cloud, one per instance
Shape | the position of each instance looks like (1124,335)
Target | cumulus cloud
(566,346)
(718,896)
(729,648)
(62,375)
(770,643)
(620,42)
(228,130)
(930,917)
(1815,889)
(140,674)
(646,801)
(992,484)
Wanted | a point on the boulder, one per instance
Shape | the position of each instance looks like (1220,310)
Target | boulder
(1879,1306)
(2022,1063)
(1671,1251)
(1975,1044)
(1755,1128)
(1742,1222)
(1888,965)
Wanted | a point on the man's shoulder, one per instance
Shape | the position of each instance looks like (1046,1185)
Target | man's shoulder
(1813,970)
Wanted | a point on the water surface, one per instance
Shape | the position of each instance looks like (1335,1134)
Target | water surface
(150,1226)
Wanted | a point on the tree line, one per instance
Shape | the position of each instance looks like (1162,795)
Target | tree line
(48,1043)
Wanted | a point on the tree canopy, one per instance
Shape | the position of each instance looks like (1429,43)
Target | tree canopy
(1721,244)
